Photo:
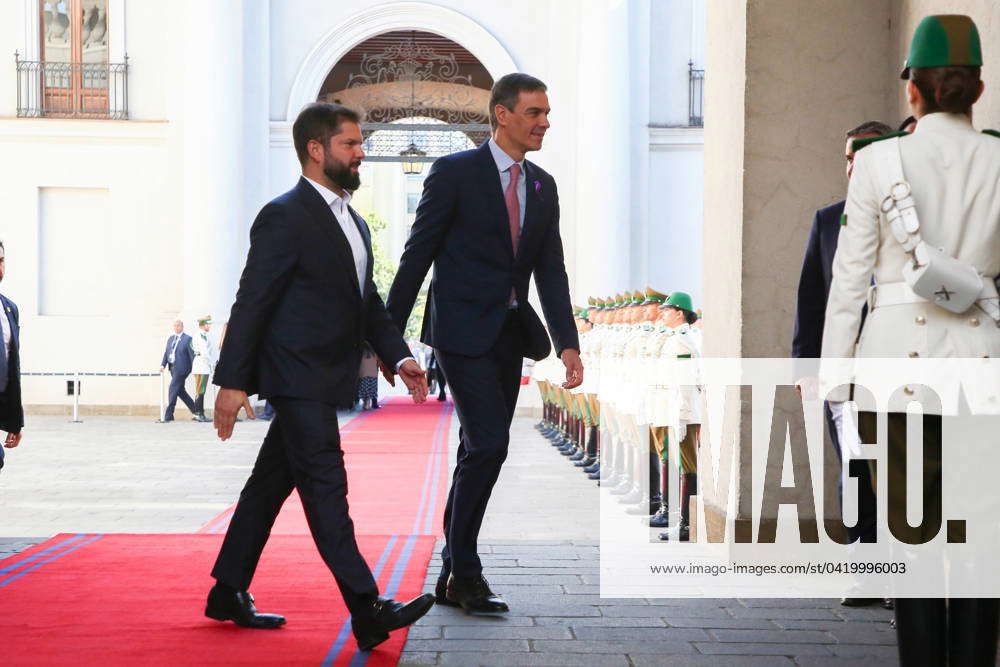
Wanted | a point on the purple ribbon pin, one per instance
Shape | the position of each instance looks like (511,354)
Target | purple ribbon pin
(538,187)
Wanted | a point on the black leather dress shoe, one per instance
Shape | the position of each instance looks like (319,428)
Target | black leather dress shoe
(238,607)
(859,602)
(474,596)
(441,593)
(385,615)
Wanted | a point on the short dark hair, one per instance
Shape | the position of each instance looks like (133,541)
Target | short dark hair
(689,315)
(506,90)
(950,89)
(318,122)
(869,127)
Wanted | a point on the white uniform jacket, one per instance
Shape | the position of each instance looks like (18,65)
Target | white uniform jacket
(204,354)
(954,172)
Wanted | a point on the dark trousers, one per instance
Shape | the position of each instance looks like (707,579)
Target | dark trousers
(933,631)
(176,391)
(302,451)
(442,383)
(866,528)
(484,390)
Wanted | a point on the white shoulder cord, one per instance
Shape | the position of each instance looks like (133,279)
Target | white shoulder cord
(932,274)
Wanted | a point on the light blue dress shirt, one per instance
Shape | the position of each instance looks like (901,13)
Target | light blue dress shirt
(504,162)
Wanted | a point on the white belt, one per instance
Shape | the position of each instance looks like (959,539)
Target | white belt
(894,294)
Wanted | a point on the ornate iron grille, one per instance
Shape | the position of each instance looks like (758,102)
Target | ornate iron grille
(386,142)
(71,90)
(696,92)
(413,95)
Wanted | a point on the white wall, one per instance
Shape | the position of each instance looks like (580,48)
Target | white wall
(673,251)
(231,86)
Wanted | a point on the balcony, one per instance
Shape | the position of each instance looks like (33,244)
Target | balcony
(696,94)
(72,90)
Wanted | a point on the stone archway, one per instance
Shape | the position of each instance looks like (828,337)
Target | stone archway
(421,95)
(387,18)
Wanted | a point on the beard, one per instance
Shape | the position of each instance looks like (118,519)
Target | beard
(341,174)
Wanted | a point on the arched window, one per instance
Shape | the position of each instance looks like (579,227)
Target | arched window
(421,95)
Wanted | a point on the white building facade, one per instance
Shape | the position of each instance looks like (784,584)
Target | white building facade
(115,227)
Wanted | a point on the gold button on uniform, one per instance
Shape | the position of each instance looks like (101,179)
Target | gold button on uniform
(973,321)
(907,391)
(921,320)
(914,355)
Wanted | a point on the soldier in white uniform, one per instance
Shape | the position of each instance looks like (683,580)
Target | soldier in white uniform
(680,411)
(202,366)
(953,173)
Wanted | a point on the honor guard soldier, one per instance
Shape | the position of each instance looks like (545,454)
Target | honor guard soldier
(683,405)
(923,217)
(202,366)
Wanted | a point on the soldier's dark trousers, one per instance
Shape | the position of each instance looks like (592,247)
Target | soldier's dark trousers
(484,390)
(933,631)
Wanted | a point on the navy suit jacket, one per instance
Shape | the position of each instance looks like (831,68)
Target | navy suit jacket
(183,356)
(461,227)
(814,283)
(11,410)
(300,318)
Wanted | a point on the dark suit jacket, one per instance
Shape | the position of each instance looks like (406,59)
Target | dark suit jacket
(300,319)
(461,227)
(11,410)
(814,283)
(183,356)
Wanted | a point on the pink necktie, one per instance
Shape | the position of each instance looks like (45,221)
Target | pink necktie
(513,206)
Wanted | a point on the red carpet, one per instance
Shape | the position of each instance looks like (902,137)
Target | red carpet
(397,465)
(131,599)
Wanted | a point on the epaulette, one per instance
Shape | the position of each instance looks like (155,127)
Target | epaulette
(992,133)
(858,144)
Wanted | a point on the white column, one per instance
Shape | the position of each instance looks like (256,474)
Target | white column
(603,168)
(214,156)
(256,103)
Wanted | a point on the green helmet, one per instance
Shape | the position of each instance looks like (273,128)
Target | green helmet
(680,300)
(944,40)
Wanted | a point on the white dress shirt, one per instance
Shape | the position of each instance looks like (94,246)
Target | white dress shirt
(339,206)
(5,322)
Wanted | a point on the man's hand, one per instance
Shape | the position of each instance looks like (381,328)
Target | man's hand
(12,441)
(574,369)
(415,380)
(227,405)
(387,373)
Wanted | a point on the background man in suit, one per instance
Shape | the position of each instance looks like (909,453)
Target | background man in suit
(178,356)
(11,410)
(814,288)
(487,221)
(305,306)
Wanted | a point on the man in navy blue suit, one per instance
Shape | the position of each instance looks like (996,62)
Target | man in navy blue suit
(178,356)
(11,410)
(488,220)
(807,342)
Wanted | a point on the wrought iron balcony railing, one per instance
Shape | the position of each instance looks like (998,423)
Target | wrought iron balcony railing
(696,95)
(71,90)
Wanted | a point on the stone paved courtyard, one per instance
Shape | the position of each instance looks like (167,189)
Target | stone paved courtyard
(128,474)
